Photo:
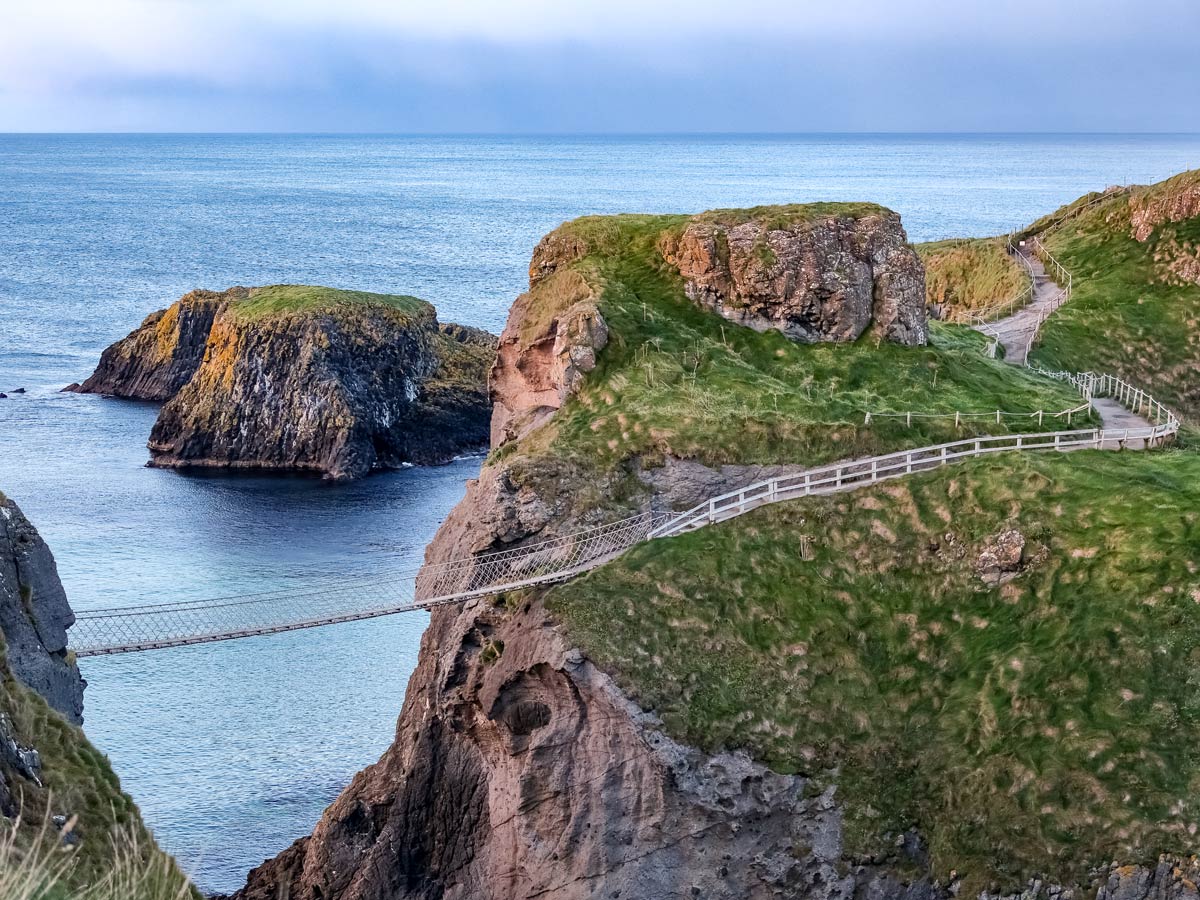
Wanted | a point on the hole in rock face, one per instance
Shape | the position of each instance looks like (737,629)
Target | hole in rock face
(526,717)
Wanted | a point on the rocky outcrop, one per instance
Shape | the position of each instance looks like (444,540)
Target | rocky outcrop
(53,782)
(813,277)
(541,359)
(338,385)
(1174,200)
(159,357)
(520,771)
(35,615)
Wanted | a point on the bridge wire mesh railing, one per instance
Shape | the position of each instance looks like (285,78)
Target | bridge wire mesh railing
(151,626)
(127,629)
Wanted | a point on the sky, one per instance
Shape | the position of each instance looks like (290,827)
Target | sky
(596,66)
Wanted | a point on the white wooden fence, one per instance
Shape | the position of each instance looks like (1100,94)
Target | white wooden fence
(859,473)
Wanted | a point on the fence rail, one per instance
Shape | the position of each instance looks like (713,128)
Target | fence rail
(844,476)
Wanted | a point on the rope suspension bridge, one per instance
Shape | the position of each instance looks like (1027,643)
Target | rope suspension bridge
(1132,420)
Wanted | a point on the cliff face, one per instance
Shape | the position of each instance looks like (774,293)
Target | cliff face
(304,379)
(50,774)
(520,771)
(814,277)
(158,358)
(1174,200)
(519,768)
(35,615)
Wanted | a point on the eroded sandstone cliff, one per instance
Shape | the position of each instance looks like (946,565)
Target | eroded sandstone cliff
(519,768)
(1174,200)
(304,379)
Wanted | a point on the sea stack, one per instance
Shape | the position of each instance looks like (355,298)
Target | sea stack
(304,379)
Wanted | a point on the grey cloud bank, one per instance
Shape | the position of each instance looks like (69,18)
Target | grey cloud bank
(1108,66)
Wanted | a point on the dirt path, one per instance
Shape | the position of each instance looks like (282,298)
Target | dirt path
(1014,331)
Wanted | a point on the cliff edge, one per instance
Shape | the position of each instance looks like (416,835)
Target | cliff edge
(694,719)
(35,615)
(56,789)
(300,378)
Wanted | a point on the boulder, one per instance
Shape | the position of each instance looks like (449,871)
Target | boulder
(814,277)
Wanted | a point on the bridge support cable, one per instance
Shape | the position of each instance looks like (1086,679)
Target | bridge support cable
(133,628)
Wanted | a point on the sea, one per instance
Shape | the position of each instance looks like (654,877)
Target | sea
(232,750)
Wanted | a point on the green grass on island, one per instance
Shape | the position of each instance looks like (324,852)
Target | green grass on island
(964,276)
(1035,728)
(287,299)
(678,380)
(1131,313)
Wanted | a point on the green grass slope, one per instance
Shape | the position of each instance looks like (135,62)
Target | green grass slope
(112,856)
(677,380)
(1036,727)
(1135,311)
(964,276)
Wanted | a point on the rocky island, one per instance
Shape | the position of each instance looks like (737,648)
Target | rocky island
(303,379)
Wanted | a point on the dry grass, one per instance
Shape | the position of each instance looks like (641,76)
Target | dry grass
(41,864)
(964,276)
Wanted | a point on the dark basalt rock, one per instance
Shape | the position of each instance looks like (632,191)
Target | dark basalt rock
(159,357)
(35,615)
(339,386)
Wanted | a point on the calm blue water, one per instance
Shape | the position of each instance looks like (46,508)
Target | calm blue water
(233,750)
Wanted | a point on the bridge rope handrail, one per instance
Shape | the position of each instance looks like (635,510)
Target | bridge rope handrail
(153,626)
(183,623)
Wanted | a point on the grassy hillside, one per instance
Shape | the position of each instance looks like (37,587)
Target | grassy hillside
(963,276)
(1038,726)
(1136,305)
(112,856)
(678,380)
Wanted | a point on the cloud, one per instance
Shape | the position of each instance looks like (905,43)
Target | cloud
(632,64)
